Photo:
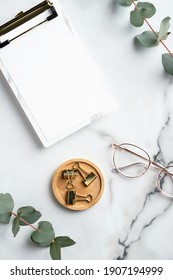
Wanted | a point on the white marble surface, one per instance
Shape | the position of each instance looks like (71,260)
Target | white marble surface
(132,220)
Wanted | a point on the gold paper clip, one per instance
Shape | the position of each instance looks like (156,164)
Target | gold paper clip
(23,17)
(72,197)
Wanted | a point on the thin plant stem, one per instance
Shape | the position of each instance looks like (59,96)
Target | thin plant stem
(147,22)
(24,221)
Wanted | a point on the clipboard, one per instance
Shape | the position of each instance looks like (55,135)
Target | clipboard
(51,73)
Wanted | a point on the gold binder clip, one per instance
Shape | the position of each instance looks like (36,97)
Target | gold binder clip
(70,175)
(72,197)
(19,14)
(23,17)
(88,178)
(67,173)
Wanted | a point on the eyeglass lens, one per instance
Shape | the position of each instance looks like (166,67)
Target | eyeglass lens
(130,160)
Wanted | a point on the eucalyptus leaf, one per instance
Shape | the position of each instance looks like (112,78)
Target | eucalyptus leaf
(135,18)
(166,36)
(147,39)
(58,243)
(29,214)
(167,61)
(164,26)
(15,227)
(6,207)
(4,218)
(146,9)
(64,241)
(125,3)
(45,234)
(55,251)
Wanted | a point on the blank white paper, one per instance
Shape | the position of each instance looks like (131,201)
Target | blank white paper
(53,78)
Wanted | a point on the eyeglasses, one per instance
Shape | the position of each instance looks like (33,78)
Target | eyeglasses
(132,161)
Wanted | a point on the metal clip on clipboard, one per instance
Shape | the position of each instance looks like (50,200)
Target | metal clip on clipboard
(23,17)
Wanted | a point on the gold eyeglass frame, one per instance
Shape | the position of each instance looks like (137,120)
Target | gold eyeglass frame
(150,163)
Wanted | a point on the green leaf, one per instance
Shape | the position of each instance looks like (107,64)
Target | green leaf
(166,35)
(135,18)
(57,244)
(167,61)
(45,234)
(55,251)
(64,241)
(146,9)
(4,218)
(142,11)
(29,214)
(6,207)
(125,3)
(6,203)
(15,227)
(164,26)
(147,39)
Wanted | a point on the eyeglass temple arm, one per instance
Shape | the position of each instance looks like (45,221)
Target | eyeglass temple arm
(156,165)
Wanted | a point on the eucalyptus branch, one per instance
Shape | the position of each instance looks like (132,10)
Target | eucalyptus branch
(142,11)
(43,235)
(25,222)
(147,22)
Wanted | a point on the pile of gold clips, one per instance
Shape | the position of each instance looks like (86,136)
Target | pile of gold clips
(70,176)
